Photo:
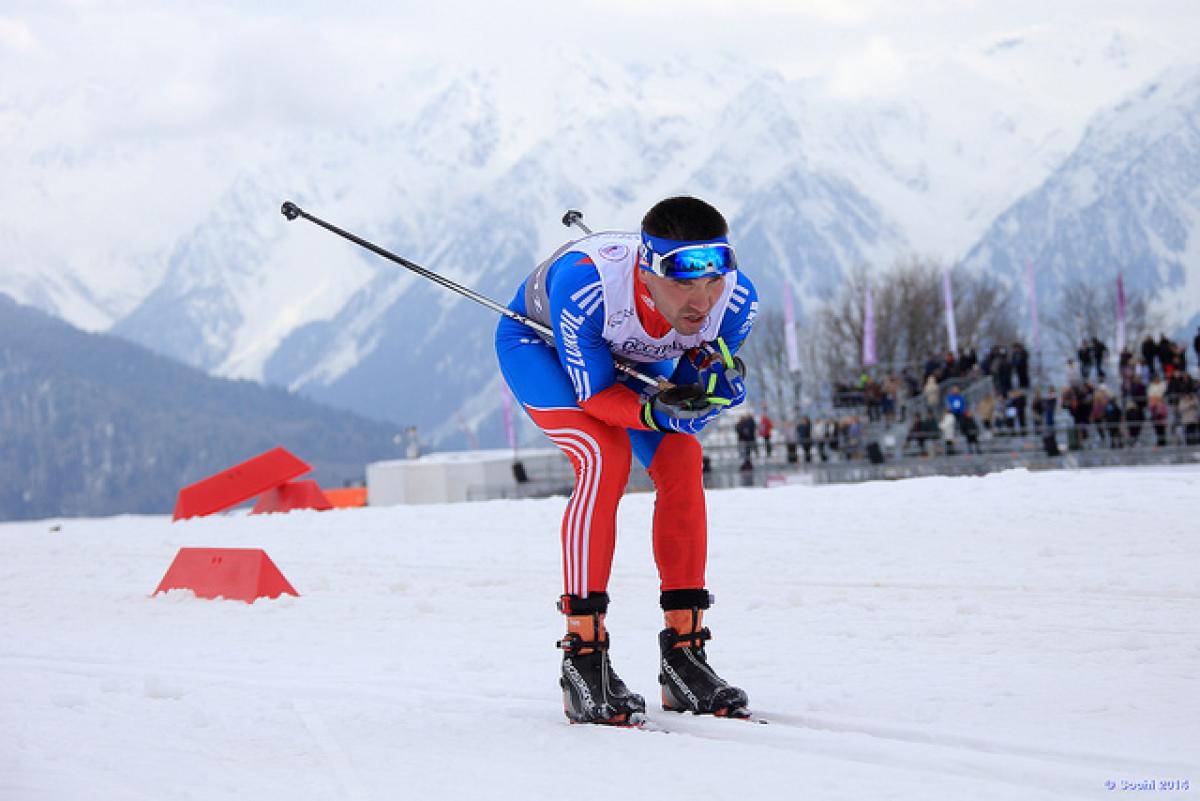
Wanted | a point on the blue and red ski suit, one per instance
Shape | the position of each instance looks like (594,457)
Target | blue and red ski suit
(591,294)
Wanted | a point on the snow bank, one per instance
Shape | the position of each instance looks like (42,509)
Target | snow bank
(1016,636)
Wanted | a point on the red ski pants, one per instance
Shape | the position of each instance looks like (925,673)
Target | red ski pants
(601,455)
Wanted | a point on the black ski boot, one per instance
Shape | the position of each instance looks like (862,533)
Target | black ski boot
(592,690)
(689,684)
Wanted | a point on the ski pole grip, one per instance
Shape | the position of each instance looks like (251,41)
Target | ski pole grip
(290,210)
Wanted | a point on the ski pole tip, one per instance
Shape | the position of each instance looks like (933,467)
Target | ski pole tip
(290,210)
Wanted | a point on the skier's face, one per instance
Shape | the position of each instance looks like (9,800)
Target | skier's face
(685,303)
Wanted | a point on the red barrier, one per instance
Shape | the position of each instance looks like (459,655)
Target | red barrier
(347,497)
(242,574)
(239,483)
(292,495)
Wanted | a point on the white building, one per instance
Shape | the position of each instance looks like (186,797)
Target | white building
(467,476)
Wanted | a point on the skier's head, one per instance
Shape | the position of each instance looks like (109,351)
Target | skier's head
(684,237)
(683,259)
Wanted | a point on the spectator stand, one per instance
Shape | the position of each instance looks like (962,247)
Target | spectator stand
(1005,440)
(1004,443)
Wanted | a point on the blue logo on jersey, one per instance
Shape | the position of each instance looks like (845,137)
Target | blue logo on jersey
(620,317)
(614,252)
(669,350)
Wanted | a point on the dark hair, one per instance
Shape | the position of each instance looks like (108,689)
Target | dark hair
(684,219)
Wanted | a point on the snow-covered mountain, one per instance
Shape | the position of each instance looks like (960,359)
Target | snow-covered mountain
(470,169)
(1127,201)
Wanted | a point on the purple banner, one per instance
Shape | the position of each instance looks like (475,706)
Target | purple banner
(789,331)
(1031,288)
(948,297)
(1120,313)
(868,354)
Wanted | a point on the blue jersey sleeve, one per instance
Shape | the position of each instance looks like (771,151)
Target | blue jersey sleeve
(577,317)
(740,313)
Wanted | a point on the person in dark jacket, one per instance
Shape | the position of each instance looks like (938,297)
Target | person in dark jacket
(1015,411)
(970,430)
(747,440)
(804,432)
(1135,415)
(1080,406)
(1137,393)
(1020,364)
(1113,419)
(1085,359)
(1046,414)
(1164,354)
(917,432)
(1002,373)
(1099,349)
(1049,410)
(1149,352)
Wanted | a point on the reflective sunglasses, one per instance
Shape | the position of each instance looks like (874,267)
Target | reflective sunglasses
(689,261)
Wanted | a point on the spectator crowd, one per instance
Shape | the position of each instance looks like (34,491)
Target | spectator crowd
(954,402)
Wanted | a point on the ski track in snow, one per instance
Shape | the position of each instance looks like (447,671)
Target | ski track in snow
(1018,636)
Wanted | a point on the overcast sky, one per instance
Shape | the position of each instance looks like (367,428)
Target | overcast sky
(187,64)
(122,122)
(132,89)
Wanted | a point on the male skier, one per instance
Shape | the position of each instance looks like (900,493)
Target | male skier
(671,300)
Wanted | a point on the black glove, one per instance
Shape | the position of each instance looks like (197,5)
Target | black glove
(684,409)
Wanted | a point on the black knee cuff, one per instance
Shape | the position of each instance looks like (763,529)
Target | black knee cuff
(685,599)
(574,605)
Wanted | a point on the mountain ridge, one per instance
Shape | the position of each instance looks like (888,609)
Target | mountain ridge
(93,424)
(1126,202)
(478,194)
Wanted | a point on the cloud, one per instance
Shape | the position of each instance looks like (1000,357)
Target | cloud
(873,70)
(138,68)
(16,36)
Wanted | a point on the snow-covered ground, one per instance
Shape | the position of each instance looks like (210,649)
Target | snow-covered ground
(1017,636)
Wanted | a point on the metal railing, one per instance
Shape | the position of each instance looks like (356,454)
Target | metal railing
(1074,446)
(888,449)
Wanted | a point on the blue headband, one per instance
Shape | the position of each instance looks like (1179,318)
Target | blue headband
(672,258)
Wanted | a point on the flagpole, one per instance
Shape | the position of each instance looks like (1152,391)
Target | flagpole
(789,341)
(868,354)
(1035,329)
(948,297)
(1120,316)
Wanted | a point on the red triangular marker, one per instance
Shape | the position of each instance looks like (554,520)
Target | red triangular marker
(242,574)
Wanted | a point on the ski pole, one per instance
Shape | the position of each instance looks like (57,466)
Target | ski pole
(573,217)
(291,211)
